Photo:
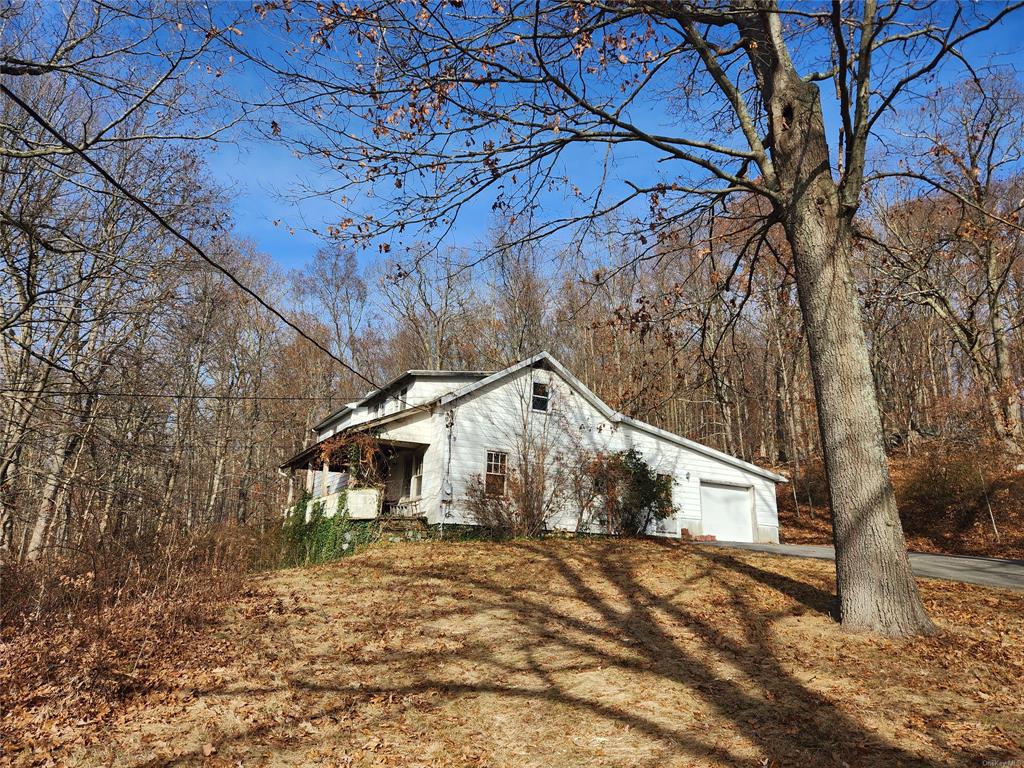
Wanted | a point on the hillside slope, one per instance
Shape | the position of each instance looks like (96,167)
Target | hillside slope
(948,503)
(570,653)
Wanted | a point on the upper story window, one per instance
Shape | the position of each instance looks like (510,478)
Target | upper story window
(403,398)
(497,473)
(540,396)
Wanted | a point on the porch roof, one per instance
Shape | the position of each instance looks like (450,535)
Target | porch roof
(309,455)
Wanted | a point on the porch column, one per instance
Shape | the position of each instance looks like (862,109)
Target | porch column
(309,479)
(326,478)
(291,487)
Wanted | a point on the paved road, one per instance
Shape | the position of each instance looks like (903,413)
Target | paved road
(988,571)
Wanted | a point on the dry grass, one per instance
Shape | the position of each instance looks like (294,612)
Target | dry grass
(564,653)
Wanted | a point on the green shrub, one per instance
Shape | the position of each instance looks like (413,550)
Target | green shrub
(635,495)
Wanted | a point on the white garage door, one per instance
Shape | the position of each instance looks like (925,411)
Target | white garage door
(727,512)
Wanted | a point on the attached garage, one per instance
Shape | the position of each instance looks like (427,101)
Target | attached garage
(727,511)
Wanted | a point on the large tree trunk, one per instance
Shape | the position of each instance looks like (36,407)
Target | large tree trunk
(876,588)
(873,577)
(1006,408)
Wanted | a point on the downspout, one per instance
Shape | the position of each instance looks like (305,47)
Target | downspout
(446,477)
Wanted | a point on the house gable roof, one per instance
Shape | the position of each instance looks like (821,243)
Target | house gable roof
(545,360)
(540,360)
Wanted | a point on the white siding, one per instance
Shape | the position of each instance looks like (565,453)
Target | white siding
(689,467)
(492,417)
(427,388)
(421,427)
(421,389)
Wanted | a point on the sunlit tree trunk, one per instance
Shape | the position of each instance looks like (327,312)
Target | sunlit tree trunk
(875,585)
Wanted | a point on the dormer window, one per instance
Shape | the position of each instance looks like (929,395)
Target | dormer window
(540,396)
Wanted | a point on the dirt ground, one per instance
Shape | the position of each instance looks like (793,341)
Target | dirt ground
(569,653)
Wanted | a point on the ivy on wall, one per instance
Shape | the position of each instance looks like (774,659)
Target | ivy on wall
(321,539)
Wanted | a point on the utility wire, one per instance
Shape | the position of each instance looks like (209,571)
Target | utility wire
(178,234)
(173,395)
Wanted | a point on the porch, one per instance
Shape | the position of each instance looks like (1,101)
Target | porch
(390,480)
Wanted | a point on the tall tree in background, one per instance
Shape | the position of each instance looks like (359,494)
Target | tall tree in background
(428,300)
(951,235)
(130,373)
(334,288)
(520,295)
(436,104)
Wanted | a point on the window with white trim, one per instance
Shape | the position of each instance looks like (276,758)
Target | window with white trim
(497,473)
(540,396)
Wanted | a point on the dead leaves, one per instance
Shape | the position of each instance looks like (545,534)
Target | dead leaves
(559,652)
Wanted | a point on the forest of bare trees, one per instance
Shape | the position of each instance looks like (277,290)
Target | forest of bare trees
(157,396)
(142,393)
(793,232)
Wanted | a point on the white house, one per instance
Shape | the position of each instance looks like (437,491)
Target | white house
(441,429)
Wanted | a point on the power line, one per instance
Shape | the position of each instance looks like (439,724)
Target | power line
(174,231)
(176,396)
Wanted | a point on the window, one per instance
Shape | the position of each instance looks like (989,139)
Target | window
(540,396)
(403,398)
(497,472)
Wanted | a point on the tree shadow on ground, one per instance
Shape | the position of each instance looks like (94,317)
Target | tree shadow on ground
(599,610)
(814,598)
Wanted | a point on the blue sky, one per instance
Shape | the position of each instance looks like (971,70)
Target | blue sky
(262,177)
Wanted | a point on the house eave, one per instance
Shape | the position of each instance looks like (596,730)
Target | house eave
(302,459)
(725,458)
(411,374)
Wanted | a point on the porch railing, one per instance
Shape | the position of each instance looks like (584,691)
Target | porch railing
(405,508)
(360,503)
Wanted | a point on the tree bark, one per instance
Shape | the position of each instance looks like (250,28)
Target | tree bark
(875,585)
(1007,409)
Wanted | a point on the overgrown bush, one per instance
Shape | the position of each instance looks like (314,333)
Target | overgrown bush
(632,494)
(82,584)
(811,484)
(522,511)
(84,628)
(948,485)
(322,539)
(618,491)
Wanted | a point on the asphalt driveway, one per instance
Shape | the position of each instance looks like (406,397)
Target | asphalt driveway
(987,571)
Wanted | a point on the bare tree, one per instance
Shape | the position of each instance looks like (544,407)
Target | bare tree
(450,103)
(132,74)
(337,291)
(951,237)
(519,295)
(427,298)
